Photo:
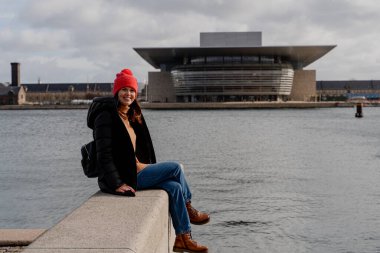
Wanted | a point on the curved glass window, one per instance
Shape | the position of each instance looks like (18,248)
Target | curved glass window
(250,59)
(228,79)
(267,59)
(237,60)
(197,60)
(214,59)
(232,59)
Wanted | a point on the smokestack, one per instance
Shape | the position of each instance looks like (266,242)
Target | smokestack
(15,73)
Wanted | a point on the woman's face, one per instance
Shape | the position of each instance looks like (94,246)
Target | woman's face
(126,96)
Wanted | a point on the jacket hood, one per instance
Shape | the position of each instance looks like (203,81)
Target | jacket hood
(98,105)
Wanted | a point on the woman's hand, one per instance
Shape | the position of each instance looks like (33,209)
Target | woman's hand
(125,188)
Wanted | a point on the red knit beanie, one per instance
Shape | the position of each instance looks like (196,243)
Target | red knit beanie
(124,79)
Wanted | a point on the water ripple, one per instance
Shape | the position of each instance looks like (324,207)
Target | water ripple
(241,223)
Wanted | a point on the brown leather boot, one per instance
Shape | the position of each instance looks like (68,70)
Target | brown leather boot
(184,243)
(196,217)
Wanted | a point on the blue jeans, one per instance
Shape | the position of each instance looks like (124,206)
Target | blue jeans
(169,176)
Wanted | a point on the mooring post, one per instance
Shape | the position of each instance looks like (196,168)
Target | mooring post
(359,110)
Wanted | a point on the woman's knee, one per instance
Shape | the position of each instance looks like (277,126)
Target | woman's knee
(175,167)
(179,167)
(174,164)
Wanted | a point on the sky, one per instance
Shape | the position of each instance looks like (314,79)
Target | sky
(92,40)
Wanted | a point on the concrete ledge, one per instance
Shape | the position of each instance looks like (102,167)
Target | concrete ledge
(19,237)
(108,223)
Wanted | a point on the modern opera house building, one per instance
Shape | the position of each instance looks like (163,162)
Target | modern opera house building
(232,66)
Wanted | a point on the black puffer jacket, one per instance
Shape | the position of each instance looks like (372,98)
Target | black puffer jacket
(115,153)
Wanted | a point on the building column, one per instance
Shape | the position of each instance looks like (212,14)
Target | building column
(160,87)
(304,85)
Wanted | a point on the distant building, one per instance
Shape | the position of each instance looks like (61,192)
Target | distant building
(54,93)
(65,93)
(45,93)
(232,66)
(14,93)
(11,95)
(343,90)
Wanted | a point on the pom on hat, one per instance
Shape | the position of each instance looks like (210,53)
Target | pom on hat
(124,79)
(127,72)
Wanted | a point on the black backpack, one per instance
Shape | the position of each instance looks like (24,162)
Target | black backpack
(88,152)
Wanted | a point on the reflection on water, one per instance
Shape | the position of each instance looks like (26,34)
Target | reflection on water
(273,180)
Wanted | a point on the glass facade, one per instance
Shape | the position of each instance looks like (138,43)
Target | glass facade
(233,78)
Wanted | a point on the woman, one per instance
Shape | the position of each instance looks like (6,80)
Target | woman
(127,161)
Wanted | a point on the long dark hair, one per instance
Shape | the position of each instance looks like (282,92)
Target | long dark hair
(134,112)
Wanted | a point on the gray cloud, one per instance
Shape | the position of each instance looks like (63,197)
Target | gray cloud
(90,40)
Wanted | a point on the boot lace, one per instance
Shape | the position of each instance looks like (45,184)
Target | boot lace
(192,211)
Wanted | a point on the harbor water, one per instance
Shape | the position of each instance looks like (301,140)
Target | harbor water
(287,180)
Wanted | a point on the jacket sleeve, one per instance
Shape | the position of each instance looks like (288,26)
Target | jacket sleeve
(103,139)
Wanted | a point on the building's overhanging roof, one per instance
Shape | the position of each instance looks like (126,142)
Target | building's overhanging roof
(300,56)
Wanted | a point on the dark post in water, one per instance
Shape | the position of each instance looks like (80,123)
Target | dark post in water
(359,110)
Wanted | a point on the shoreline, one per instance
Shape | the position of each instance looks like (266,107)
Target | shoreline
(203,105)
(42,107)
(243,105)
